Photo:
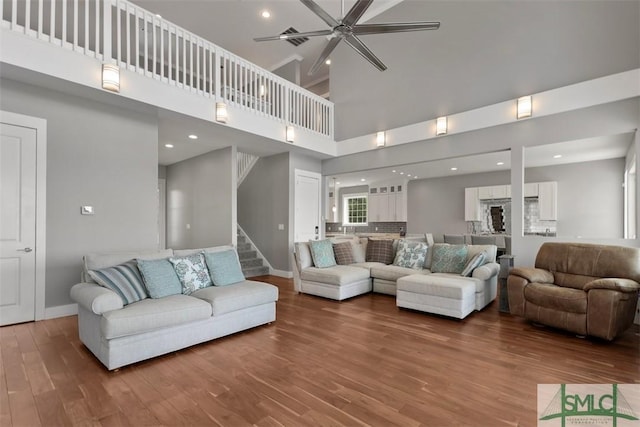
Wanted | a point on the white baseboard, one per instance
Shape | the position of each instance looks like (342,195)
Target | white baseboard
(60,311)
(282,273)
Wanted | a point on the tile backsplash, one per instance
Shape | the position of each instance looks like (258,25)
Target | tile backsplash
(532,223)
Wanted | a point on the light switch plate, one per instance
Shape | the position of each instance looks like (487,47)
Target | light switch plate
(86,210)
(280,226)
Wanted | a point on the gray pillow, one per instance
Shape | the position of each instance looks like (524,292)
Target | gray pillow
(160,277)
(123,279)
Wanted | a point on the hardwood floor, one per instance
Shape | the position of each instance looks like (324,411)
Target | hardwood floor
(322,363)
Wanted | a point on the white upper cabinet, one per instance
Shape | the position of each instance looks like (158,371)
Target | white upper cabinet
(531,189)
(472,210)
(547,201)
(492,192)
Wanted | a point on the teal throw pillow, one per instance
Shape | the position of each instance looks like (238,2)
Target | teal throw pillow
(448,258)
(192,272)
(322,253)
(410,254)
(475,262)
(224,267)
(160,277)
(124,279)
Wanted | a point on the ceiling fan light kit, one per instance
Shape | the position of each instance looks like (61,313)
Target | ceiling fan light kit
(348,29)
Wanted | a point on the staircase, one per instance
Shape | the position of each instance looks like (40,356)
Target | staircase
(252,264)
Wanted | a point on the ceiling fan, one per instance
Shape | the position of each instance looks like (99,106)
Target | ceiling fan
(348,30)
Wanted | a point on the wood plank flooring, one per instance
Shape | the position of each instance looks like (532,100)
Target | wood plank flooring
(321,363)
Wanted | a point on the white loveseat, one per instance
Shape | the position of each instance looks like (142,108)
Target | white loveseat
(119,334)
(345,281)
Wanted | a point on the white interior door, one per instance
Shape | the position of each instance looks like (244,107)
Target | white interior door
(17,224)
(307,206)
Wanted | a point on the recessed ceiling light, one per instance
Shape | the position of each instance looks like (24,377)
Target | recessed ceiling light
(168,145)
(401,173)
(338,182)
(193,136)
(362,179)
(394,171)
(265,14)
(557,156)
(454,169)
(500,163)
(415,177)
(328,62)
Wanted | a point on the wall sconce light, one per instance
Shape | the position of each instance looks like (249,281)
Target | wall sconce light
(290,134)
(381,139)
(221,112)
(524,107)
(441,126)
(111,77)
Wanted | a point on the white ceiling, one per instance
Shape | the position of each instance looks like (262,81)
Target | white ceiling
(584,150)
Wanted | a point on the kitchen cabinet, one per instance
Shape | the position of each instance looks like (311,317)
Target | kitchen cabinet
(472,209)
(547,201)
(492,192)
(531,189)
(387,204)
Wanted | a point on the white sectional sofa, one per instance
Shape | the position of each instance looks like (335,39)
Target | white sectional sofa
(119,334)
(345,281)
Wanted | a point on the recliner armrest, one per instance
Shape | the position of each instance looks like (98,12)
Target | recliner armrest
(486,271)
(533,275)
(96,298)
(614,284)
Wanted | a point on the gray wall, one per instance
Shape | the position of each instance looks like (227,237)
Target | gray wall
(97,155)
(289,71)
(484,52)
(590,197)
(200,200)
(162,171)
(263,203)
(436,205)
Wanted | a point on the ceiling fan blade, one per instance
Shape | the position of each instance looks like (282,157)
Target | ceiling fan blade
(356,12)
(324,55)
(294,35)
(321,13)
(355,43)
(394,28)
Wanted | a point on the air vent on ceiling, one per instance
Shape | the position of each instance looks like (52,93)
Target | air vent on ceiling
(296,41)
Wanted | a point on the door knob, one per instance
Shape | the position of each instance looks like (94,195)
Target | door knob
(25,250)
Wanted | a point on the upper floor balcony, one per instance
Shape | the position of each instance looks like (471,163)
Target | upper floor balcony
(162,64)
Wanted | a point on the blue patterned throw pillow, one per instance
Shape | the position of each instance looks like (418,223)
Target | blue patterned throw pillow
(448,258)
(192,272)
(224,267)
(160,277)
(322,253)
(410,254)
(124,279)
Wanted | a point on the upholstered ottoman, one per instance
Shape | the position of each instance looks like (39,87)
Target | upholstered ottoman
(447,295)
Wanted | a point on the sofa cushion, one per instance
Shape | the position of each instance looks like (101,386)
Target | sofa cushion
(359,251)
(225,299)
(448,258)
(556,297)
(192,272)
(322,253)
(343,253)
(367,265)
(393,272)
(186,252)
(490,252)
(153,314)
(224,267)
(303,255)
(96,261)
(337,275)
(474,262)
(160,277)
(456,278)
(123,279)
(410,254)
(380,251)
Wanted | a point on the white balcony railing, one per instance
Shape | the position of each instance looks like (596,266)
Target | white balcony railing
(120,32)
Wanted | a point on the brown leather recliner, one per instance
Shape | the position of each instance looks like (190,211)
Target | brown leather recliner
(583,288)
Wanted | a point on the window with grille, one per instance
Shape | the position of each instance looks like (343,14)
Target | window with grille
(355,209)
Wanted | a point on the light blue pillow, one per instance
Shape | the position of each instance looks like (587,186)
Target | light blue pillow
(322,253)
(224,267)
(192,272)
(124,279)
(160,277)
(448,258)
(473,263)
